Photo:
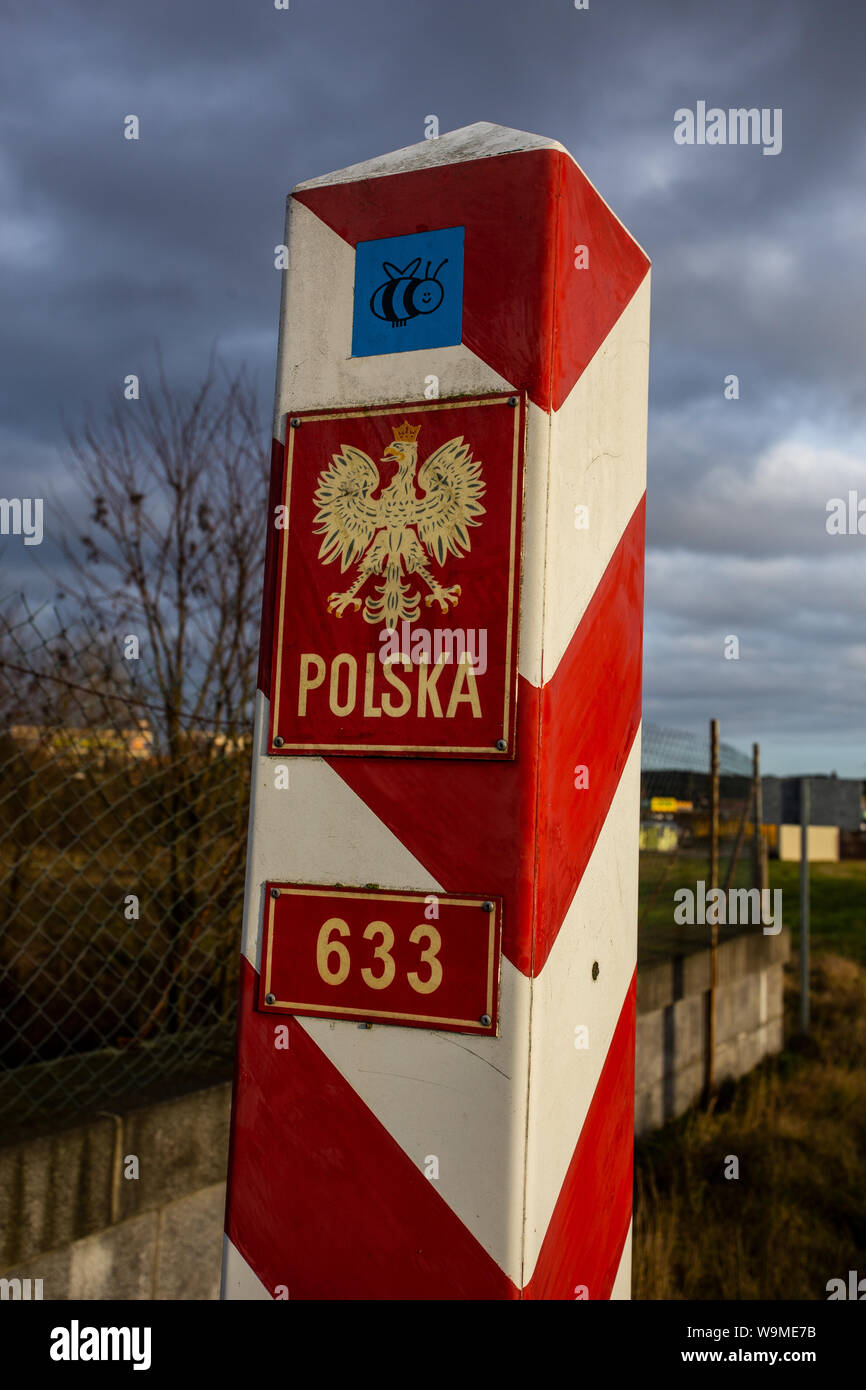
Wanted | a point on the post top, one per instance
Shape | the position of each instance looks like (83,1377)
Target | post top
(479,141)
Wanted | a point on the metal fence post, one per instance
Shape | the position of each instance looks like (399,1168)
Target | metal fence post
(759,875)
(805,808)
(713,883)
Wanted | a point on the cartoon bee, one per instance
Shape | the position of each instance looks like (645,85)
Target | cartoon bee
(405,295)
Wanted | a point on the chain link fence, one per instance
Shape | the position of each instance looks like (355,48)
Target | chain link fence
(122,856)
(676,827)
(121,879)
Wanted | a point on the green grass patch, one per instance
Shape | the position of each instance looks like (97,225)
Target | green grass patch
(837,901)
(837,905)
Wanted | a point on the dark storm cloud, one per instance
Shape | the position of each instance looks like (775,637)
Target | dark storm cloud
(108,246)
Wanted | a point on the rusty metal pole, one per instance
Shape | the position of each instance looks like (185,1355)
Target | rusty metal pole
(713,883)
(759,876)
(714,804)
(805,810)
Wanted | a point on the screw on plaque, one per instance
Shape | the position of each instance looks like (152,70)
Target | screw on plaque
(270,999)
(500,744)
(512,400)
(484,1020)
(278,741)
(488,906)
(275,892)
(295,422)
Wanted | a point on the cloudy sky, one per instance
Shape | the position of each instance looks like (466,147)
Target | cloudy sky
(108,246)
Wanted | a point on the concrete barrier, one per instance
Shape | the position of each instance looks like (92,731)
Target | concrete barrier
(672,1009)
(69,1216)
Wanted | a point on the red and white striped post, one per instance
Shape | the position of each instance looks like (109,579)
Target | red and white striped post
(434,1084)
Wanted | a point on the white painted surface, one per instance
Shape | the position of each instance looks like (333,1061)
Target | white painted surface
(598,445)
(622,1283)
(460,1098)
(479,141)
(315,366)
(601,925)
(317,830)
(238,1280)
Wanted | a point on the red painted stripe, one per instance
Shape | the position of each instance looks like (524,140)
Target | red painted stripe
(587,1231)
(322,1199)
(473,824)
(269,584)
(588,301)
(590,714)
(527,312)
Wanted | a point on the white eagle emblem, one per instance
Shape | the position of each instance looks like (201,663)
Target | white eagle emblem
(396,534)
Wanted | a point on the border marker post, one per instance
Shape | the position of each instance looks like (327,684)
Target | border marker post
(435,1066)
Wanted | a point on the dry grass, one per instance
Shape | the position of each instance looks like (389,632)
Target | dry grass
(796,1216)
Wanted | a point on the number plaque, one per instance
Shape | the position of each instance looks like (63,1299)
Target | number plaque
(414,959)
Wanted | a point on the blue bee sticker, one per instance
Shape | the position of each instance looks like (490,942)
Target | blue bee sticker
(408,292)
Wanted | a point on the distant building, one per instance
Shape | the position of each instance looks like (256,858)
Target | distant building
(822,843)
(835,805)
(98,745)
(833,801)
(86,744)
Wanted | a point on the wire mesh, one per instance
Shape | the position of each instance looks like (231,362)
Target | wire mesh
(122,870)
(676,828)
(121,880)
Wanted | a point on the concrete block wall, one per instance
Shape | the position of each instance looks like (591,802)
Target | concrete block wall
(69,1216)
(673,1015)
